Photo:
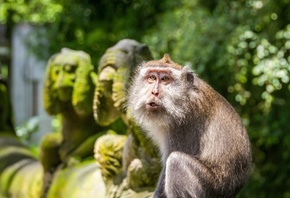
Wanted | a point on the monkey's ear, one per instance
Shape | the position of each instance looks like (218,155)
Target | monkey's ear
(188,75)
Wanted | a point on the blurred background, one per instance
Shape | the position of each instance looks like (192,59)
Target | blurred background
(240,47)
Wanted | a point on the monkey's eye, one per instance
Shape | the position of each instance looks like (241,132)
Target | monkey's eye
(165,79)
(152,78)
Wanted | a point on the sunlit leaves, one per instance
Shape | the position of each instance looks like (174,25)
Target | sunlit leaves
(267,62)
(33,11)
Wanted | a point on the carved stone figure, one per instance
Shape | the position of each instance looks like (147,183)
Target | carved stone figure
(140,162)
(68,92)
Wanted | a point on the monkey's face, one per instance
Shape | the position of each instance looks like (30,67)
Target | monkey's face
(157,81)
(159,94)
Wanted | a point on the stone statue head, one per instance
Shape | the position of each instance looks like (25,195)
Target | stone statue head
(115,69)
(68,82)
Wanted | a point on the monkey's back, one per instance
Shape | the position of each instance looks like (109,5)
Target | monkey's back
(225,146)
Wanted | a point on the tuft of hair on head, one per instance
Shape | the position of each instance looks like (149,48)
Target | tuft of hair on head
(164,62)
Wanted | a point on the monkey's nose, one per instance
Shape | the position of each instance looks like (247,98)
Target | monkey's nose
(155,92)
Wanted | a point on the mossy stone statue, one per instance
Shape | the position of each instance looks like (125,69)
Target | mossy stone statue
(108,153)
(115,69)
(82,180)
(68,92)
(22,179)
(135,172)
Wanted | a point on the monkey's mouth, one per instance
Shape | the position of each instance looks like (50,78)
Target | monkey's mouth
(152,105)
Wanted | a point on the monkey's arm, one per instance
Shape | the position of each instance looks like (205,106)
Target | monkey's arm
(159,192)
(187,176)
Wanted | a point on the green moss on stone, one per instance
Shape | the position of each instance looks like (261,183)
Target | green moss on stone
(115,69)
(68,91)
(8,139)
(49,148)
(68,78)
(83,180)
(11,154)
(23,179)
(108,153)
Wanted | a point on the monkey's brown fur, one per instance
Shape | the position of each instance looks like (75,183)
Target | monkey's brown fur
(204,146)
(164,62)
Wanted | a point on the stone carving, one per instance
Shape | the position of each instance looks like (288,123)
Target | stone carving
(68,92)
(140,163)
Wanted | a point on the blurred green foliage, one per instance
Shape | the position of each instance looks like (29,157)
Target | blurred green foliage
(241,47)
(26,129)
(34,11)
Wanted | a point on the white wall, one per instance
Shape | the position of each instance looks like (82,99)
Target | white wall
(27,82)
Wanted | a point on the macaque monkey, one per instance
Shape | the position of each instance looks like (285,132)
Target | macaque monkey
(204,146)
